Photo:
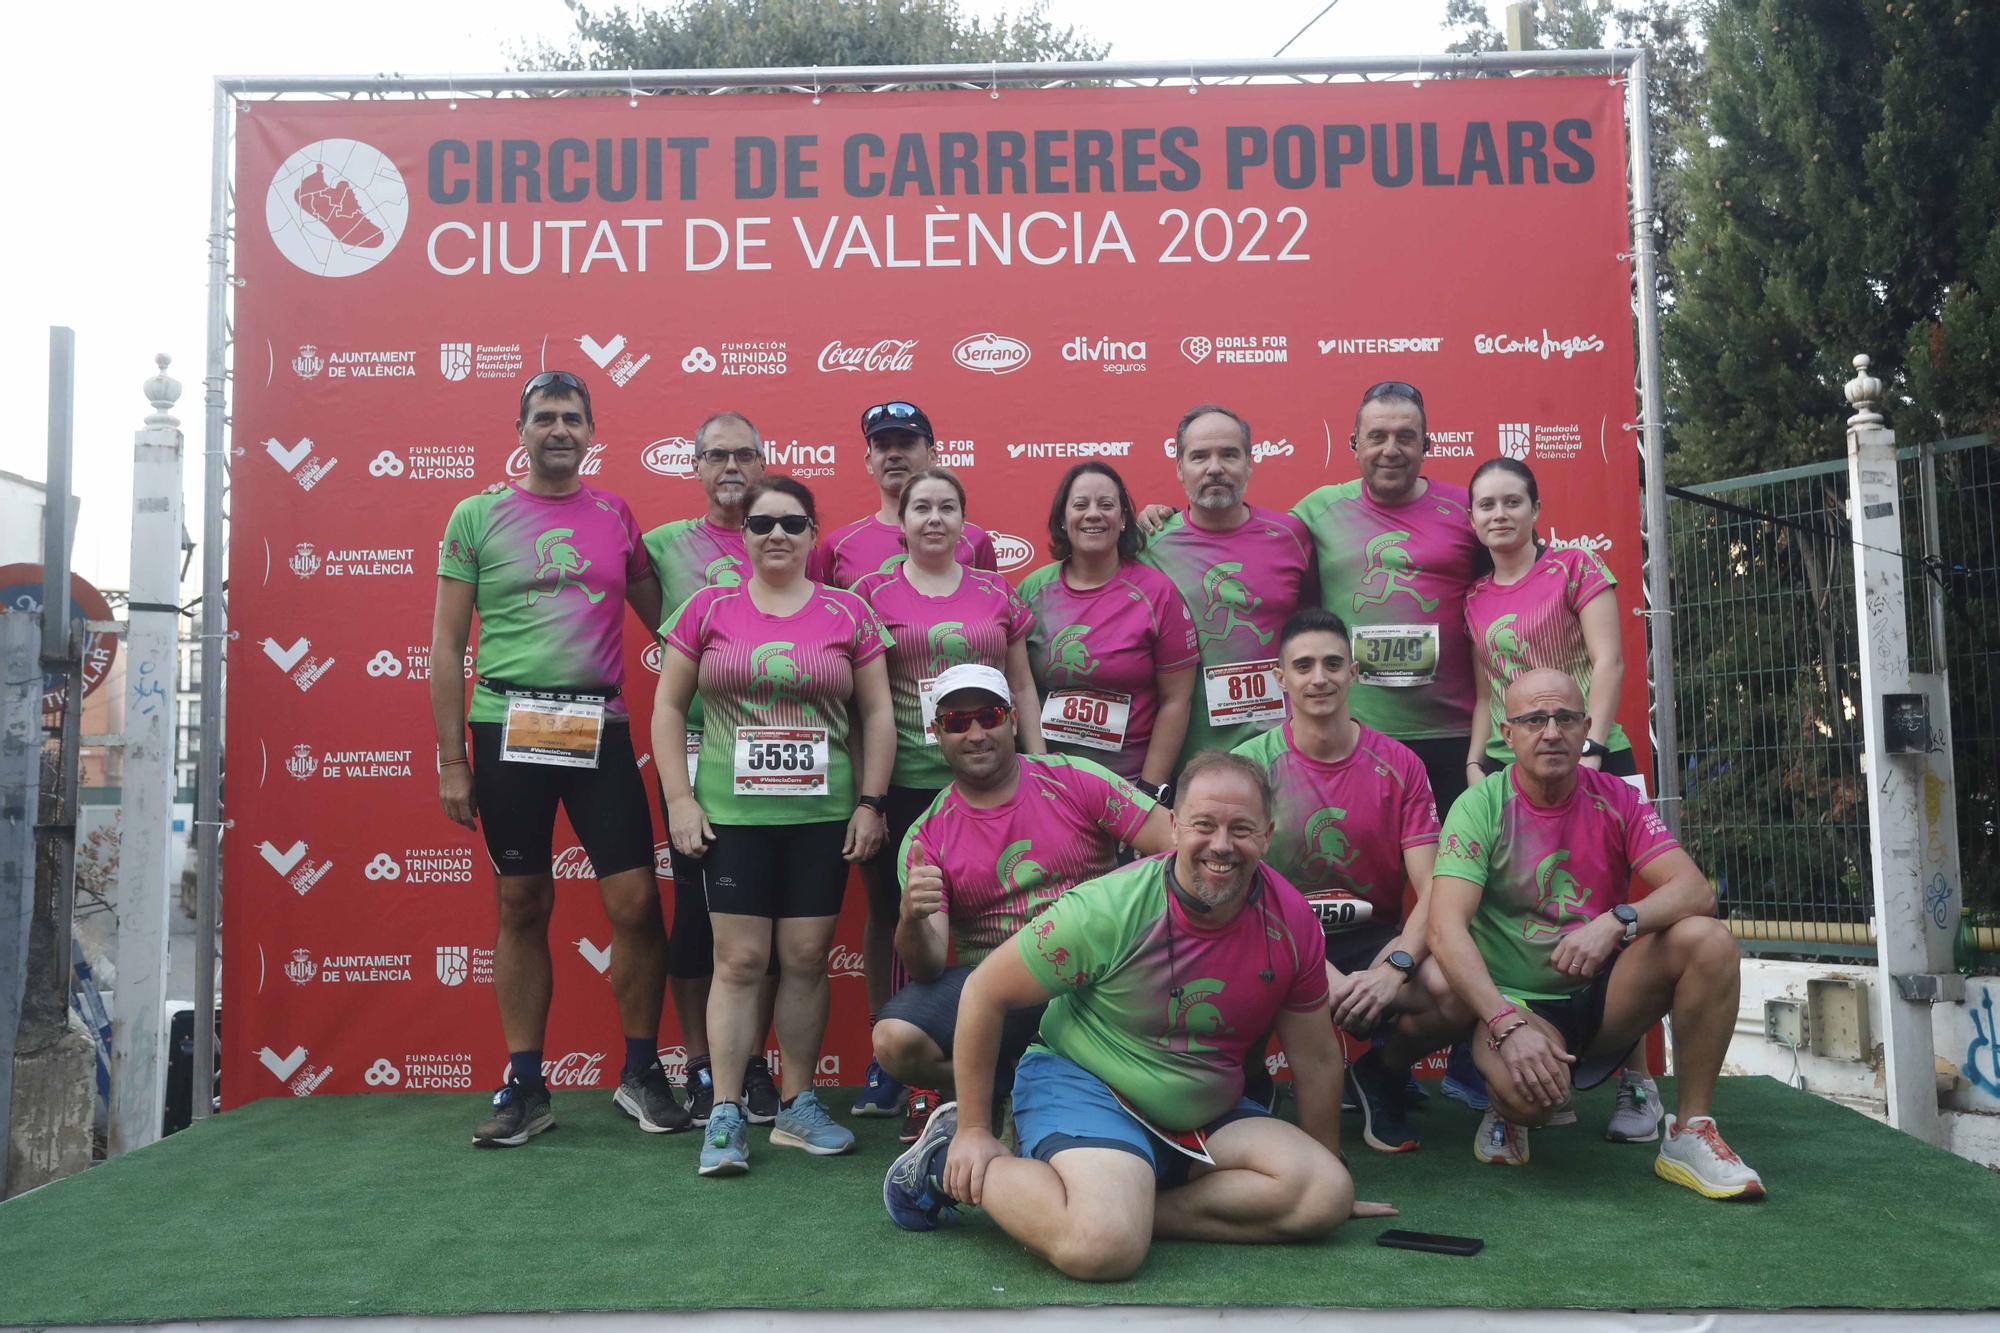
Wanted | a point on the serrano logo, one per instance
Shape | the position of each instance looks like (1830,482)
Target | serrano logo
(993,353)
(886,355)
(670,457)
(336,208)
(1011,552)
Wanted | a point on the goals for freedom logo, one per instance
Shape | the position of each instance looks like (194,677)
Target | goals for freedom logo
(337,207)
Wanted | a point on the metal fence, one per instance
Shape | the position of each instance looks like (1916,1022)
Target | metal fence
(1767,672)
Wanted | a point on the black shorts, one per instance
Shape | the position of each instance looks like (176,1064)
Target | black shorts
(1579,1019)
(1443,758)
(1619,764)
(606,805)
(1356,950)
(902,807)
(775,870)
(932,1008)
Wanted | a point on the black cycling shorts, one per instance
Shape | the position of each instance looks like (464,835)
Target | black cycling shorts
(691,941)
(932,1008)
(1580,1019)
(1356,950)
(606,805)
(902,807)
(775,870)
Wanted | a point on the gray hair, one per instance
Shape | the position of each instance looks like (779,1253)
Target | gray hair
(701,431)
(1223,761)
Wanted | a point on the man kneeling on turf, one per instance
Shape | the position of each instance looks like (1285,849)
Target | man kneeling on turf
(1549,967)
(1012,834)
(1130,1108)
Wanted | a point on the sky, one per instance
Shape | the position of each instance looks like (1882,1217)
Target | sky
(113,135)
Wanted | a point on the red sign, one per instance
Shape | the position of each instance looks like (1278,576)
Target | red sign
(21,590)
(1053,275)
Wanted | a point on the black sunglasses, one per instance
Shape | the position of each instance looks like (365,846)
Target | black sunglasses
(761,524)
(1394,389)
(958,721)
(549,378)
(881,412)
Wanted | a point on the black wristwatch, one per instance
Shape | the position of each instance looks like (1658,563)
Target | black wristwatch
(879,804)
(1595,749)
(1152,789)
(1402,962)
(1627,915)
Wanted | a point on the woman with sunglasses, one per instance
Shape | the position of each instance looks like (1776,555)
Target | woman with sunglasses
(773,816)
(938,613)
(1540,607)
(1113,645)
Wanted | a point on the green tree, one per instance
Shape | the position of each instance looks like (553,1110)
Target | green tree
(733,34)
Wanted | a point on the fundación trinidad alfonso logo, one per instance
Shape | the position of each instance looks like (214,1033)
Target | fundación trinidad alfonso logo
(337,207)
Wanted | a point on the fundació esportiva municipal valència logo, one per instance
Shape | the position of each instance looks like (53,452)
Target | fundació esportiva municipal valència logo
(337,207)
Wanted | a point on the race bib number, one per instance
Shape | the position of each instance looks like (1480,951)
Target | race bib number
(927,706)
(1095,719)
(563,732)
(1396,656)
(1340,911)
(693,754)
(1244,692)
(781,761)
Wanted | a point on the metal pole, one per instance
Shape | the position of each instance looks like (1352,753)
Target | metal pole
(214,619)
(1652,425)
(55,503)
(20,798)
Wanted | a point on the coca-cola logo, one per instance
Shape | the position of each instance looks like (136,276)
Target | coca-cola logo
(572,863)
(1011,552)
(886,355)
(578,1069)
(671,457)
(842,961)
(592,464)
(993,353)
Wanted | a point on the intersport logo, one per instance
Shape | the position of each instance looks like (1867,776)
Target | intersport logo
(992,353)
(889,354)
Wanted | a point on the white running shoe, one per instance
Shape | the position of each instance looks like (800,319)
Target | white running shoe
(1637,1119)
(1694,1155)
(1500,1143)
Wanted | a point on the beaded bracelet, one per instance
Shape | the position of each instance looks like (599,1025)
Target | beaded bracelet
(1496,1042)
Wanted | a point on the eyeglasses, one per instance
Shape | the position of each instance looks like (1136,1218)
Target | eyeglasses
(743,457)
(958,721)
(881,412)
(1564,718)
(549,378)
(1394,389)
(761,524)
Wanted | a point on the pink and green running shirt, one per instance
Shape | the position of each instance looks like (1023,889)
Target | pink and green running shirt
(549,575)
(691,554)
(1119,637)
(758,670)
(976,623)
(1003,866)
(1398,578)
(1546,871)
(1342,828)
(1533,623)
(870,546)
(1241,586)
(1103,950)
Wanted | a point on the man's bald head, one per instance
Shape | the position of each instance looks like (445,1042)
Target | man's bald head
(1549,743)
(1543,688)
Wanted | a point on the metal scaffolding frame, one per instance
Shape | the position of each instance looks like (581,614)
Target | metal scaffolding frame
(1626,65)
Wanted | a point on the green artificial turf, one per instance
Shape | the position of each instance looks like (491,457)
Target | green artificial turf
(378,1204)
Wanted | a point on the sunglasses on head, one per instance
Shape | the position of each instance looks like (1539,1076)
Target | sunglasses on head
(1394,389)
(958,721)
(882,412)
(550,379)
(761,524)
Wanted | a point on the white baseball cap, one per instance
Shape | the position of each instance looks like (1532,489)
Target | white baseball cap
(972,676)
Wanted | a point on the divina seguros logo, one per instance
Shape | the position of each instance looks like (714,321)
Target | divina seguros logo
(337,207)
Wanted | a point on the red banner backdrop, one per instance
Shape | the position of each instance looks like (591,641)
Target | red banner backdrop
(1053,275)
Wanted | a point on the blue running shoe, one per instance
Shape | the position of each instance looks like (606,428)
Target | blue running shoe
(723,1152)
(912,1191)
(1414,1091)
(880,1095)
(806,1124)
(1462,1080)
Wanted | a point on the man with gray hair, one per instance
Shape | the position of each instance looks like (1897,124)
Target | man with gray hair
(1129,1107)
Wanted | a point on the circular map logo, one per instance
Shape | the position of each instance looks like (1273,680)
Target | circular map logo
(337,207)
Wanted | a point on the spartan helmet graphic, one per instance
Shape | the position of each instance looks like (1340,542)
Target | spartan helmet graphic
(725,571)
(949,646)
(1390,562)
(1328,847)
(775,677)
(1557,889)
(554,554)
(1503,645)
(1228,595)
(1068,652)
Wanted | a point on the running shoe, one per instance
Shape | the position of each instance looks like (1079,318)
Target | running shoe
(913,1191)
(880,1094)
(1564,1114)
(519,1113)
(1379,1093)
(1637,1119)
(921,1103)
(760,1094)
(1462,1080)
(1414,1092)
(648,1098)
(700,1092)
(723,1150)
(806,1124)
(1499,1143)
(1694,1155)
